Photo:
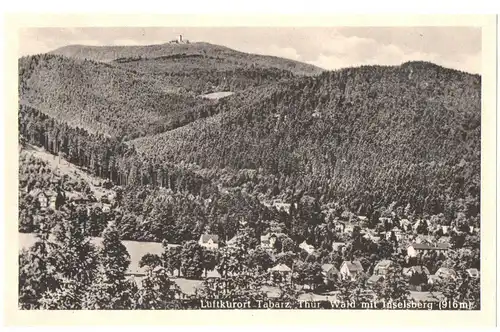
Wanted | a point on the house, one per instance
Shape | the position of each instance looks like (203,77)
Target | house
(351,269)
(106,207)
(47,198)
(473,273)
(396,232)
(414,249)
(329,272)
(385,220)
(339,227)
(75,198)
(268,241)
(445,273)
(349,228)
(362,218)
(307,247)
(433,279)
(209,241)
(338,246)
(281,271)
(409,271)
(41,196)
(375,279)
(445,229)
(405,225)
(279,205)
(371,237)
(382,267)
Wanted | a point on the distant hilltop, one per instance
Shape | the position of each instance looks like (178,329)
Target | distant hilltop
(179,40)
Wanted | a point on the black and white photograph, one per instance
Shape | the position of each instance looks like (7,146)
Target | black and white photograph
(250,168)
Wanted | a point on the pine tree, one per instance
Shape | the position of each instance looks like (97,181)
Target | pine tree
(111,290)
(192,260)
(158,291)
(394,288)
(76,262)
(37,273)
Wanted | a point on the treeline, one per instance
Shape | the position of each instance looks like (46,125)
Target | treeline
(198,74)
(366,137)
(102,156)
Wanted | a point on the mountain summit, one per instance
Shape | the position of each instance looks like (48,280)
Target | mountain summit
(221,53)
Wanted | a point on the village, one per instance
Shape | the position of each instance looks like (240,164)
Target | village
(413,241)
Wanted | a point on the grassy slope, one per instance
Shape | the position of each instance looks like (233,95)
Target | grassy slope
(61,167)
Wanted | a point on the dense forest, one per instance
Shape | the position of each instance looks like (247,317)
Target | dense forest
(202,74)
(293,152)
(366,137)
(102,156)
(135,98)
(422,151)
(101,98)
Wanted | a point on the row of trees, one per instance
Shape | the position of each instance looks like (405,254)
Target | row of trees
(103,156)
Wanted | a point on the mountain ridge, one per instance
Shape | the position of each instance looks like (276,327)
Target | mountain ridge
(110,53)
(380,129)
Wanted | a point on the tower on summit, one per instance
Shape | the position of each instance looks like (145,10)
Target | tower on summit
(179,40)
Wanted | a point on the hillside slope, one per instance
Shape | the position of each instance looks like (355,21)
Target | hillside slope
(200,74)
(110,53)
(133,98)
(408,133)
(102,98)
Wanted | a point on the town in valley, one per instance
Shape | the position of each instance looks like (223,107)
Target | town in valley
(189,175)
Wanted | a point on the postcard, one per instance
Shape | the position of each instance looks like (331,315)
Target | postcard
(277,169)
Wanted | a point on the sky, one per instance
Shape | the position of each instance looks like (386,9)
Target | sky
(327,47)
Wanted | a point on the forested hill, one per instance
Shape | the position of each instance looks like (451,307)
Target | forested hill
(366,136)
(227,55)
(133,98)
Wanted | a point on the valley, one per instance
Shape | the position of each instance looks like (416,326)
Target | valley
(157,176)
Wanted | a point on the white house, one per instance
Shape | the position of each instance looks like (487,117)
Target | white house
(209,241)
(362,218)
(382,267)
(307,247)
(281,271)
(415,249)
(329,272)
(268,241)
(351,269)
(338,246)
(339,227)
(396,231)
(445,273)
(474,273)
(409,271)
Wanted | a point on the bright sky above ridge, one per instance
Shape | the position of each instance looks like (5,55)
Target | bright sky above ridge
(329,48)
